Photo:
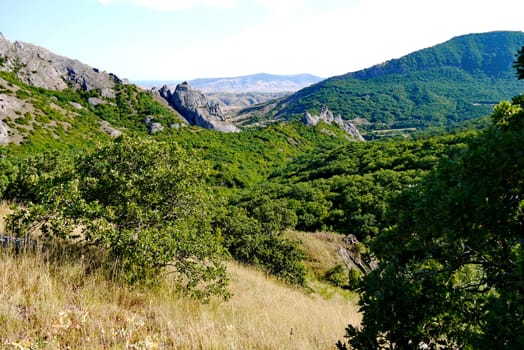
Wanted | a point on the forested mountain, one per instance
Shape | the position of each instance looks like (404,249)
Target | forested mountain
(452,82)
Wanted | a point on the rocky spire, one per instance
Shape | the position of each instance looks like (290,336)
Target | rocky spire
(327,117)
(194,106)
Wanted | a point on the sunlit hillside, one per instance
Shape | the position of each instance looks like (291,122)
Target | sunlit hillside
(42,307)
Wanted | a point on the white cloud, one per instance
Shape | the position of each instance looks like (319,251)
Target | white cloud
(173,5)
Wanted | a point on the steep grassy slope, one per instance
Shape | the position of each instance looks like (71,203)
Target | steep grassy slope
(458,80)
(46,307)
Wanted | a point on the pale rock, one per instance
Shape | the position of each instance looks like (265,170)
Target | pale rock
(95,101)
(194,106)
(4,133)
(153,126)
(107,128)
(76,105)
(327,117)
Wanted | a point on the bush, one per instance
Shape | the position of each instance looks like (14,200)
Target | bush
(337,276)
(142,201)
(248,241)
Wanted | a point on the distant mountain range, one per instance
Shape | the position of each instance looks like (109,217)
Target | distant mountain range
(256,83)
(262,82)
(452,82)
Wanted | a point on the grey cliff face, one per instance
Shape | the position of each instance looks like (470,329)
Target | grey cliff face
(327,117)
(194,106)
(42,68)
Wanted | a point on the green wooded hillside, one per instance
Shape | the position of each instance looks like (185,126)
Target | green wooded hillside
(455,81)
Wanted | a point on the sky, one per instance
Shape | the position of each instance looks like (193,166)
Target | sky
(188,39)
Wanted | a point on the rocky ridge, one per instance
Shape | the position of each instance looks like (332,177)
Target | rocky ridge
(327,117)
(40,67)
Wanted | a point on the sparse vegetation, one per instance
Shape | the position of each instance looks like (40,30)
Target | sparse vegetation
(43,306)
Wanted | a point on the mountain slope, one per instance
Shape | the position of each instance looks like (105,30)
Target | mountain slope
(40,67)
(451,82)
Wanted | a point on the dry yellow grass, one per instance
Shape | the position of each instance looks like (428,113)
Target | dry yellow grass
(320,248)
(4,211)
(42,307)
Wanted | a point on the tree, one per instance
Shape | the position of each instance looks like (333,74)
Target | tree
(519,63)
(451,271)
(141,202)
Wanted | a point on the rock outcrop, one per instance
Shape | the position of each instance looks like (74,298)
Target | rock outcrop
(350,253)
(40,67)
(327,117)
(4,133)
(194,106)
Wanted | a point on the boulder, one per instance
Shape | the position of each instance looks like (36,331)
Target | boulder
(95,101)
(152,126)
(76,105)
(107,128)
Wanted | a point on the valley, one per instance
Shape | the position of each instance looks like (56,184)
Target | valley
(265,211)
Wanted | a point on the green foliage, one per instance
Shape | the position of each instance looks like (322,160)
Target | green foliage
(337,276)
(131,106)
(355,276)
(346,189)
(7,173)
(451,269)
(259,242)
(142,202)
(240,160)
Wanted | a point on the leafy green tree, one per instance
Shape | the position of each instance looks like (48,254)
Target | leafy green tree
(254,241)
(144,204)
(451,271)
